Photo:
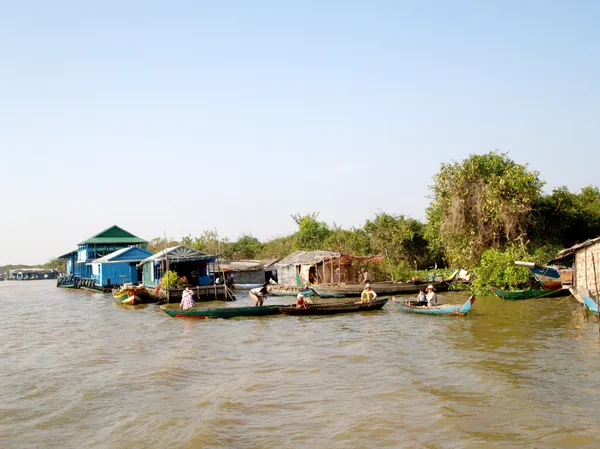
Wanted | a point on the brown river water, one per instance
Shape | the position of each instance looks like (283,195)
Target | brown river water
(78,371)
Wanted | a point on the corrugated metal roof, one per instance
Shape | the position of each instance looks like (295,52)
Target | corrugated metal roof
(243,265)
(306,258)
(179,252)
(573,249)
(108,258)
(114,234)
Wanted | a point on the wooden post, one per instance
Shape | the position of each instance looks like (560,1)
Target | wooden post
(596,282)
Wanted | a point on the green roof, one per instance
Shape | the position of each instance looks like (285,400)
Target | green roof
(114,234)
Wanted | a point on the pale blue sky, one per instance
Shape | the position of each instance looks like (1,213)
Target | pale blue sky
(187,115)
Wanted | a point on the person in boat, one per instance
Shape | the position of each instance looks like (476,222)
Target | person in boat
(187,299)
(431,296)
(259,294)
(367,294)
(366,277)
(300,302)
(421,298)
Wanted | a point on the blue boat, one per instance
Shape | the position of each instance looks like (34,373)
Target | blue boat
(589,301)
(444,309)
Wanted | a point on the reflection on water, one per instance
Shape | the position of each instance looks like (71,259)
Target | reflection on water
(80,371)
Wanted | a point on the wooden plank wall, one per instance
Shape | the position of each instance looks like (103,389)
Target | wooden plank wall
(585,259)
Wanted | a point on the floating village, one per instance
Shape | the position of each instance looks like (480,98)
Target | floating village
(118,262)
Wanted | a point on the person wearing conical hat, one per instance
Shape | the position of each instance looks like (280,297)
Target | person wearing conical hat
(431,296)
(367,294)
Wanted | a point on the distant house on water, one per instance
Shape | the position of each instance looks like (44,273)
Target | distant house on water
(320,267)
(79,261)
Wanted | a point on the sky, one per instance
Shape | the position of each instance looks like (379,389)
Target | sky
(178,117)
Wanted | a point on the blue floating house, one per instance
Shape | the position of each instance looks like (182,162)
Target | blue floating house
(119,267)
(79,261)
(195,265)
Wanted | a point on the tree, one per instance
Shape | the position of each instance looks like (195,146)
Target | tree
(159,243)
(401,240)
(348,241)
(246,247)
(278,247)
(311,234)
(564,218)
(483,202)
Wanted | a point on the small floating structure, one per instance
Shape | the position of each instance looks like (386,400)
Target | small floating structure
(248,273)
(32,274)
(189,263)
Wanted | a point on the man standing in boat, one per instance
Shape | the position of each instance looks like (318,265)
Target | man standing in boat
(367,294)
(259,294)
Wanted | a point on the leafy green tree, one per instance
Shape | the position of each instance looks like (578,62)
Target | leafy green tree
(348,241)
(564,218)
(246,247)
(311,234)
(401,240)
(483,202)
(278,247)
(159,243)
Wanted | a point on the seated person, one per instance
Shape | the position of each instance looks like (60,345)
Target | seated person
(431,296)
(300,302)
(367,294)
(421,298)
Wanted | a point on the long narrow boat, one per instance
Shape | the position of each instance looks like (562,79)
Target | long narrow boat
(589,301)
(515,295)
(575,292)
(331,309)
(550,277)
(381,288)
(222,312)
(444,309)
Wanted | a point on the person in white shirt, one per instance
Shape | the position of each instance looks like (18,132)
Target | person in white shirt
(431,296)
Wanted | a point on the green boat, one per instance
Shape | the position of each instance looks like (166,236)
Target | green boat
(515,295)
(222,312)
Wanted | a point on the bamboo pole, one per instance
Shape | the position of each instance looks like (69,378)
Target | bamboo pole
(167,268)
(596,282)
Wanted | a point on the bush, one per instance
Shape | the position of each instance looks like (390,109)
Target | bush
(170,279)
(497,268)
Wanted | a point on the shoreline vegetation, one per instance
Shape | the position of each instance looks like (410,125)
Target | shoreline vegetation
(485,212)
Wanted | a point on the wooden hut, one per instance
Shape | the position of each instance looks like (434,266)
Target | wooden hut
(585,260)
(248,272)
(320,267)
(119,267)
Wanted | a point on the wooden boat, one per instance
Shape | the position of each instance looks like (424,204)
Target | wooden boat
(575,292)
(444,309)
(131,295)
(222,312)
(382,288)
(550,277)
(515,295)
(331,309)
(589,301)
